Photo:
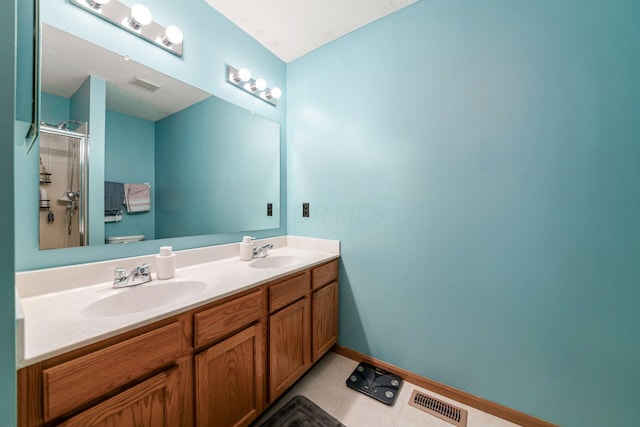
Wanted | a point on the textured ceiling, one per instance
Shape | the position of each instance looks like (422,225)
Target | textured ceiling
(67,61)
(292,28)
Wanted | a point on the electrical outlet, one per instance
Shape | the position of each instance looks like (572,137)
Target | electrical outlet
(305,210)
(269,209)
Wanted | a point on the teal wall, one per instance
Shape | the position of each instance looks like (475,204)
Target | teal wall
(480,163)
(211,42)
(219,166)
(129,158)
(54,109)
(8,401)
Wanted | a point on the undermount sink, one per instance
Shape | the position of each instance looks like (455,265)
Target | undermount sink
(277,261)
(137,299)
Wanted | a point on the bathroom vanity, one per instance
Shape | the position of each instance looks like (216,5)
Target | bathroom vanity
(218,360)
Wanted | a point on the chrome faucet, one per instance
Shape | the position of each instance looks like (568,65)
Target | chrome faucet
(137,276)
(262,251)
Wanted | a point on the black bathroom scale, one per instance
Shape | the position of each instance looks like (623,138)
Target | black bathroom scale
(375,382)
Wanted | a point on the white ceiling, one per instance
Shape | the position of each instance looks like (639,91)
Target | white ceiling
(292,28)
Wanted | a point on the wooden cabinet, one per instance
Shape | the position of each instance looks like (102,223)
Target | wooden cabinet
(146,404)
(229,388)
(325,274)
(324,322)
(287,291)
(324,319)
(215,323)
(215,365)
(71,384)
(136,379)
(230,375)
(303,324)
(289,346)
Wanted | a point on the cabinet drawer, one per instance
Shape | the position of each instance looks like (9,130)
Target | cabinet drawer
(324,274)
(284,293)
(78,381)
(219,321)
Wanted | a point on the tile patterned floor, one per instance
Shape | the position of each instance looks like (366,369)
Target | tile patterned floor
(325,385)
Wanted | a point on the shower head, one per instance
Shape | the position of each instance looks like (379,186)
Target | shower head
(70,125)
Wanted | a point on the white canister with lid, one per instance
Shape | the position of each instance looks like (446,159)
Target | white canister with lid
(246,249)
(165,263)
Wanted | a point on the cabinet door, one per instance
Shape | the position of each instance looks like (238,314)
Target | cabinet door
(230,380)
(144,405)
(289,346)
(324,320)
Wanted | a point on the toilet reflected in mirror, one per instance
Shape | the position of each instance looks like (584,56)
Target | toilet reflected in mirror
(115,240)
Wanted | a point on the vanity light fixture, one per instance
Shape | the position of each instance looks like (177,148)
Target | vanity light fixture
(241,78)
(140,16)
(241,75)
(172,35)
(136,19)
(259,84)
(274,93)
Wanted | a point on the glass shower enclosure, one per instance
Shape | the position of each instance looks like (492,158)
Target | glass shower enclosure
(63,185)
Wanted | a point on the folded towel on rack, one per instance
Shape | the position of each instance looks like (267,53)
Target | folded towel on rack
(138,197)
(113,197)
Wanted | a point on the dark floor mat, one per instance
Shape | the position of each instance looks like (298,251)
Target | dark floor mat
(301,412)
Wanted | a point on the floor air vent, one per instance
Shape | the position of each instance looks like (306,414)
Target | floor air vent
(438,408)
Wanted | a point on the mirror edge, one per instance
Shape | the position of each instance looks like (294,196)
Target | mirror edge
(34,129)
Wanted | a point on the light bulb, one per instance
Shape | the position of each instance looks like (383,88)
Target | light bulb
(242,75)
(275,93)
(260,84)
(140,16)
(172,35)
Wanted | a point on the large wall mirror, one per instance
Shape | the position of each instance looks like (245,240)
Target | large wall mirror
(188,163)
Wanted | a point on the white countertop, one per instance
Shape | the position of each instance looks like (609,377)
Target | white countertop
(50,319)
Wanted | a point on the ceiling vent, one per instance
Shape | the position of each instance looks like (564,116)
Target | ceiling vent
(438,408)
(144,84)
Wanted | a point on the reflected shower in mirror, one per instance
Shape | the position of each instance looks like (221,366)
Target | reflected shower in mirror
(211,167)
(63,185)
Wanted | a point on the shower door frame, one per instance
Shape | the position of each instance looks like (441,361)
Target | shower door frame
(83,176)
